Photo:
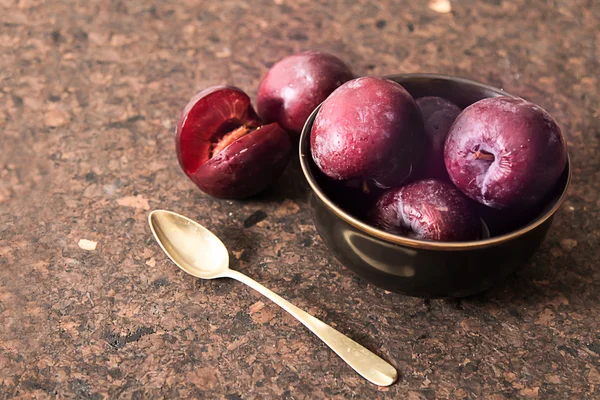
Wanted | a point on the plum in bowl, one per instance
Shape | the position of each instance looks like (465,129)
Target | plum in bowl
(423,268)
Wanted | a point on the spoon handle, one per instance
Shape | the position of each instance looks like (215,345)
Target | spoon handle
(367,364)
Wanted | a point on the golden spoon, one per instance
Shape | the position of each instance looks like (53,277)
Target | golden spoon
(197,251)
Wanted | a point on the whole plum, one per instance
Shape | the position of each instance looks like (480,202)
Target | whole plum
(505,152)
(429,210)
(438,115)
(296,85)
(368,128)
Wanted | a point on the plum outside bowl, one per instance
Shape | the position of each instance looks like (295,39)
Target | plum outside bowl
(418,267)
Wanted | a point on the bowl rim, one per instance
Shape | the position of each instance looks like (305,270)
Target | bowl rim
(416,243)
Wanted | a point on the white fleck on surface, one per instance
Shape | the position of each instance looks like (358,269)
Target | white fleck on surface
(55,118)
(256,307)
(134,201)
(88,245)
(156,166)
(441,6)
(110,189)
(224,53)
(568,244)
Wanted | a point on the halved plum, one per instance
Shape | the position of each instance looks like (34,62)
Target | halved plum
(224,148)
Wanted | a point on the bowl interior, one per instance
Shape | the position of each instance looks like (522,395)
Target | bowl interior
(461,91)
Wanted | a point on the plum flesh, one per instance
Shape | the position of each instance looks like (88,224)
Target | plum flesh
(428,210)
(296,85)
(505,152)
(368,128)
(225,149)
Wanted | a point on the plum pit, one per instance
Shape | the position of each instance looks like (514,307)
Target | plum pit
(232,133)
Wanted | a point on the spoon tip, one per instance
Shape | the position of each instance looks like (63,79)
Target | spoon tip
(154,215)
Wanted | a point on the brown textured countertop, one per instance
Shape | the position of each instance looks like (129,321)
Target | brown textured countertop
(89,95)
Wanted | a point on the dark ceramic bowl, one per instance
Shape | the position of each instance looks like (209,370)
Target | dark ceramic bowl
(418,267)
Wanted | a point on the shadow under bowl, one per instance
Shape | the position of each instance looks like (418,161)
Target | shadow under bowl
(418,267)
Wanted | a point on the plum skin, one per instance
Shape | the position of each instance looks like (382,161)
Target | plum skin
(505,152)
(247,166)
(240,167)
(438,115)
(296,85)
(428,210)
(368,128)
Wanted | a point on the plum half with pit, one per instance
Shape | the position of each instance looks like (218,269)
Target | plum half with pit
(438,115)
(225,149)
(296,85)
(505,152)
(428,210)
(368,128)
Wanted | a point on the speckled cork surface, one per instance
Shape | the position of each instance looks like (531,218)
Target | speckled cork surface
(89,95)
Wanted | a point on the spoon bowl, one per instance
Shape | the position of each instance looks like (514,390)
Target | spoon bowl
(192,247)
(197,251)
